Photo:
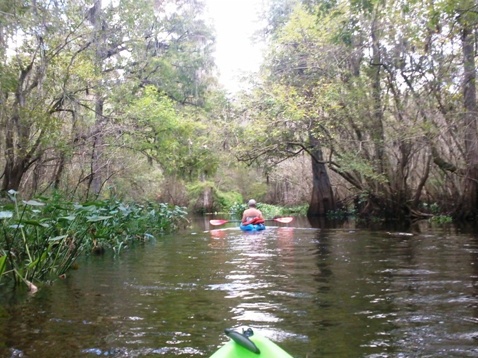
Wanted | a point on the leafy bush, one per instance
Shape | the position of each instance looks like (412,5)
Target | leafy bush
(297,210)
(221,200)
(227,199)
(268,211)
(441,219)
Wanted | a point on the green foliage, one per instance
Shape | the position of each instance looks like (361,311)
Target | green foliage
(38,242)
(441,219)
(268,211)
(221,200)
(350,162)
(256,190)
(197,188)
(433,208)
(116,225)
(227,199)
(144,68)
(196,192)
(236,209)
(297,210)
(438,216)
(173,138)
(42,238)
(160,126)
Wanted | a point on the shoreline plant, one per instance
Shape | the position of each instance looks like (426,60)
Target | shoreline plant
(41,239)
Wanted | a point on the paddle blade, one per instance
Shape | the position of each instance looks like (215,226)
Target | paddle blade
(284,220)
(217,222)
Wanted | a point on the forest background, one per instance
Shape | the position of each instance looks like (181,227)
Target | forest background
(363,106)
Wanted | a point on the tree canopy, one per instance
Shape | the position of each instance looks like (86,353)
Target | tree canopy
(87,84)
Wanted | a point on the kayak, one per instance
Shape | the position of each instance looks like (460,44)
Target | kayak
(249,345)
(252,227)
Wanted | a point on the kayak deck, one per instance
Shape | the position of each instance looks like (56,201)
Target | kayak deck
(249,345)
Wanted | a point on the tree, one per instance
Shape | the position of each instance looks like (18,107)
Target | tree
(399,105)
(374,81)
(31,106)
(286,116)
(468,20)
(79,70)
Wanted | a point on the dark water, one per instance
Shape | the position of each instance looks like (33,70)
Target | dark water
(326,292)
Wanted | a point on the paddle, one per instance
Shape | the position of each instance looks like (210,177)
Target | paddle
(284,220)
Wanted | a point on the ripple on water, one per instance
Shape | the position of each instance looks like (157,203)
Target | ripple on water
(321,293)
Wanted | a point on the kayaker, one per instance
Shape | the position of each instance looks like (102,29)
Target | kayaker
(252,215)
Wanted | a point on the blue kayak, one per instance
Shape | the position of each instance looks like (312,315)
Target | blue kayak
(252,227)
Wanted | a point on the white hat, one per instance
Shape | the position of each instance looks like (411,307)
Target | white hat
(251,202)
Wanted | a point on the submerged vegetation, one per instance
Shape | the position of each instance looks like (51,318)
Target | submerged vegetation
(41,238)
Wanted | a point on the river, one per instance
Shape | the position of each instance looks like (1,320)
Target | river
(315,291)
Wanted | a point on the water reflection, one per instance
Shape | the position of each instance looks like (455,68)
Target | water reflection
(218,233)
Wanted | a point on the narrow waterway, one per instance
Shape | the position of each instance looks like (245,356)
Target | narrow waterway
(317,292)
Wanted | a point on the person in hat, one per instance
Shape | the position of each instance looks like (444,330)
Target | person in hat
(252,215)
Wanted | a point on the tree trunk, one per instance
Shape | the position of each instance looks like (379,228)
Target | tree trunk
(207,195)
(377,129)
(60,167)
(20,153)
(13,174)
(322,200)
(96,178)
(470,185)
(97,149)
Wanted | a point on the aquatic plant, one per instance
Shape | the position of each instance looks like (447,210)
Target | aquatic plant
(36,246)
(42,238)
